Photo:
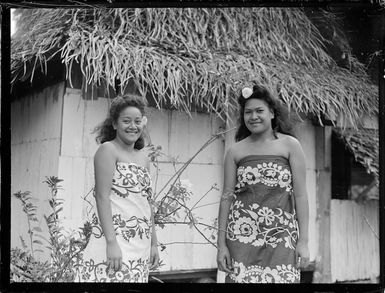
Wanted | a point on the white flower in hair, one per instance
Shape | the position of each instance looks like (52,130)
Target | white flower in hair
(247,92)
(144,121)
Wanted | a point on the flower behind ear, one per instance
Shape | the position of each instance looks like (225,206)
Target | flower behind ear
(247,92)
(144,121)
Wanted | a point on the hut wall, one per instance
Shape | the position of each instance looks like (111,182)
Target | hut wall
(180,137)
(354,246)
(35,144)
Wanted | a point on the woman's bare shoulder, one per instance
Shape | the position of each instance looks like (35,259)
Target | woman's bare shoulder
(292,145)
(235,150)
(106,149)
(288,139)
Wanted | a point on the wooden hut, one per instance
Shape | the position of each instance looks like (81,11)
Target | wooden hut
(190,64)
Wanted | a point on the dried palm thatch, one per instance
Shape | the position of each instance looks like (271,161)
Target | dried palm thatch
(200,56)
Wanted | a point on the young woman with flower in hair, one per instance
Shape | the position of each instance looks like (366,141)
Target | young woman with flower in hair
(123,243)
(263,215)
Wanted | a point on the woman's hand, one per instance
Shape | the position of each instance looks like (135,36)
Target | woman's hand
(302,251)
(154,257)
(114,255)
(224,259)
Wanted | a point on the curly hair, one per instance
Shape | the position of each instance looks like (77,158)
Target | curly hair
(279,123)
(106,132)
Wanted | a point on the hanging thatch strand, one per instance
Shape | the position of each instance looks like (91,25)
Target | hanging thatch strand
(198,56)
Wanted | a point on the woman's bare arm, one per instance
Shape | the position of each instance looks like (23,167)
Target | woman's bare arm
(104,166)
(223,258)
(298,167)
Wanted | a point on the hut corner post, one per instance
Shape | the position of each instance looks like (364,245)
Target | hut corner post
(322,273)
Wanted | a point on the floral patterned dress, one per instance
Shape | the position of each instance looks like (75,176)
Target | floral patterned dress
(131,216)
(262,229)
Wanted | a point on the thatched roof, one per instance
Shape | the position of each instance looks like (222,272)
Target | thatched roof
(200,56)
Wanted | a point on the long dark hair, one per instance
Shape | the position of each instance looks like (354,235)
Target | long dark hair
(280,122)
(106,132)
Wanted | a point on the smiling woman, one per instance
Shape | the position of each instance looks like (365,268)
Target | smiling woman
(123,244)
(264,203)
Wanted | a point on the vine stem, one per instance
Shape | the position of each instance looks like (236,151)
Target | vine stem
(212,187)
(184,166)
(192,222)
(178,173)
(207,204)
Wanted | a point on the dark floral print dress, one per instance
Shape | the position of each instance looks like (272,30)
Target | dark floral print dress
(131,217)
(262,229)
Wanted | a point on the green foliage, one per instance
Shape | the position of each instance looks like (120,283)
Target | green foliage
(65,248)
(30,210)
(24,268)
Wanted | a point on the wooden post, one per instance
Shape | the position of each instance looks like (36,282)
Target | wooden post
(322,273)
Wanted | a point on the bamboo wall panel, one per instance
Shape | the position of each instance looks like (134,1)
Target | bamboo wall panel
(73,124)
(94,113)
(35,144)
(159,125)
(354,247)
(188,134)
(73,171)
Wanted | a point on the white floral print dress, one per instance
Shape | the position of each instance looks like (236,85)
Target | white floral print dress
(131,216)
(262,229)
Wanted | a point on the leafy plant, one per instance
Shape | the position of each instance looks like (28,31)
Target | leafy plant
(171,201)
(65,247)
(30,210)
(25,268)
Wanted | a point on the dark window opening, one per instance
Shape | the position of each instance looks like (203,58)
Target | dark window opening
(350,179)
